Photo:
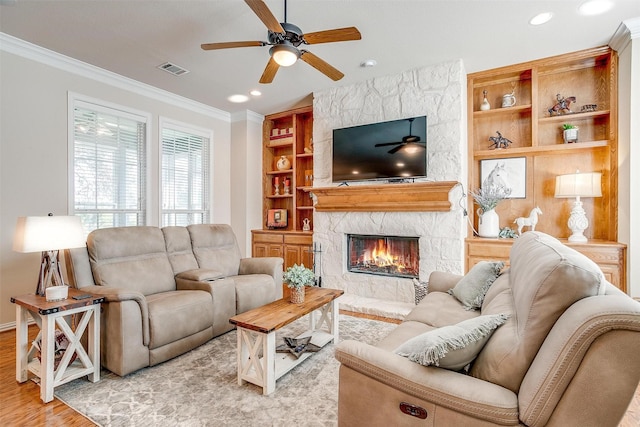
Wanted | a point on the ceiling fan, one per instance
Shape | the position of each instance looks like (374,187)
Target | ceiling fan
(285,39)
(411,143)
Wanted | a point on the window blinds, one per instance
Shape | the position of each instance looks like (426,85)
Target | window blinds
(185,177)
(109,167)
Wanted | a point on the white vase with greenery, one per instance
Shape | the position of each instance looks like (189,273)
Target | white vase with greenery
(488,198)
(297,277)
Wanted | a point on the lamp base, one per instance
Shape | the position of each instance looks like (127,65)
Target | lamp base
(50,272)
(578,222)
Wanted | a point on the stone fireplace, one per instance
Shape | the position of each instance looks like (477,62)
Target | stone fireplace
(439,92)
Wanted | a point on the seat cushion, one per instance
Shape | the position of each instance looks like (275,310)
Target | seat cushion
(178,314)
(253,290)
(545,278)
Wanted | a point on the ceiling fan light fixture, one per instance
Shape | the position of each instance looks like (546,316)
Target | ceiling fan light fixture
(285,55)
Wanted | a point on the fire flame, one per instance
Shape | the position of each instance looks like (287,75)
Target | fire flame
(381,256)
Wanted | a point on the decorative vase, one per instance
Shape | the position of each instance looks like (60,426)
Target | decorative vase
(570,135)
(485,106)
(488,224)
(297,294)
(283,163)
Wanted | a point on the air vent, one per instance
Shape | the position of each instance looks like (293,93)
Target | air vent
(173,69)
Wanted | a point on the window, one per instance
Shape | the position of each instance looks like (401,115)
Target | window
(109,166)
(184,175)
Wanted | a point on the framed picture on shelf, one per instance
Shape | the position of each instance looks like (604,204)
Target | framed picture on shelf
(509,172)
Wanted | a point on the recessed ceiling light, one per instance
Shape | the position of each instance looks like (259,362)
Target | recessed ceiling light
(238,98)
(541,18)
(595,7)
(255,92)
(368,63)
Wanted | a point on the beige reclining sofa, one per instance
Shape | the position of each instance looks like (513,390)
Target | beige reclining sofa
(568,353)
(168,290)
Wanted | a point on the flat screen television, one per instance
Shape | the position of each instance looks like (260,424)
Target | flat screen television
(392,150)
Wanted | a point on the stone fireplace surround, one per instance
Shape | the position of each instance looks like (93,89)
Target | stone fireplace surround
(439,92)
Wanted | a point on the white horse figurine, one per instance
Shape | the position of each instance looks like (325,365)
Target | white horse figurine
(531,221)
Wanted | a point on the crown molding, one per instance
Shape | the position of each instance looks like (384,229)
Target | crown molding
(628,30)
(247,116)
(39,54)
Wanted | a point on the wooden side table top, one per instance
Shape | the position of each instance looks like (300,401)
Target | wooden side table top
(277,314)
(40,305)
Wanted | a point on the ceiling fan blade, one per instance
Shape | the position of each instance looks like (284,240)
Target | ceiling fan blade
(329,36)
(321,65)
(227,45)
(262,11)
(395,149)
(385,144)
(270,71)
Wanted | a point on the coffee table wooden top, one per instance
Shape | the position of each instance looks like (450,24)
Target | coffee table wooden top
(279,313)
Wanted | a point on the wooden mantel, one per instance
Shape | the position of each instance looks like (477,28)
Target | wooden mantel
(412,197)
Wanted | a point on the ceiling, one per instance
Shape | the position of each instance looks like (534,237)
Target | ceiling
(133,37)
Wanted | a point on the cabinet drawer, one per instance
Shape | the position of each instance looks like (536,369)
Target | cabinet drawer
(267,238)
(293,239)
(497,250)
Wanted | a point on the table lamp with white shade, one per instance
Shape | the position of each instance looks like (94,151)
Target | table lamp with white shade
(578,185)
(49,234)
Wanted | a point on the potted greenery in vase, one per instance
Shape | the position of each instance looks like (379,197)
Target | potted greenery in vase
(297,277)
(569,133)
(488,198)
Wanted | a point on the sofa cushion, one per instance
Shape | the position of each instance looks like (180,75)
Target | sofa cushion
(452,347)
(440,309)
(253,290)
(178,314)
(545,278)
(178,244)
(215,247)
(134,258)
(471,289)
(420,290)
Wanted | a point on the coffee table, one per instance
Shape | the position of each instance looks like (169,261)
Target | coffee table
(258,362)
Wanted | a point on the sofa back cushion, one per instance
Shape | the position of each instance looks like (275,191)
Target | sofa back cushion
(131,258)
(545,278)
(215,247)
(178,244)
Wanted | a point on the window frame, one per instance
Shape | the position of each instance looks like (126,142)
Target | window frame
(168,123)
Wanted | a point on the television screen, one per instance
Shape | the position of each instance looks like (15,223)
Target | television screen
(387,150)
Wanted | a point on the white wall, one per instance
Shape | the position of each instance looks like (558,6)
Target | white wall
(627,42)
(34,86)
(246,177)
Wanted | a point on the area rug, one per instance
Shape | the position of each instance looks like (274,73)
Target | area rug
(200,388)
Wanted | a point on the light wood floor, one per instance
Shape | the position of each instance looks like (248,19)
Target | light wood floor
(20,404)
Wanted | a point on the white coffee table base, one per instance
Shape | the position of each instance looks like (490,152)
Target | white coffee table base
(264,370)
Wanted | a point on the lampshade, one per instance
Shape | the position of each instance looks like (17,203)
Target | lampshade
(48,233)
(284,55)
(579,185)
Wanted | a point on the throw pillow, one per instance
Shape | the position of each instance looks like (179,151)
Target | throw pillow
(421,289)
(452,347)
(472,288)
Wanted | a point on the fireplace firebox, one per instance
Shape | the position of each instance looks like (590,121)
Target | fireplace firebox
(383,255)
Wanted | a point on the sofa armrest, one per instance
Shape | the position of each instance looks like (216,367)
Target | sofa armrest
(453,390)
(200,274)
(440,281)
(116,295)
(262,265)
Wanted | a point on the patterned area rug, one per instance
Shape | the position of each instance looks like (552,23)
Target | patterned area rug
(200,388)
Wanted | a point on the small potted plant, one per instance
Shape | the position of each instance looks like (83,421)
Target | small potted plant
(297,277)
(569,133)
(488,198)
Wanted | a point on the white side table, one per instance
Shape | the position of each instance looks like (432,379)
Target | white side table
(49,316)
